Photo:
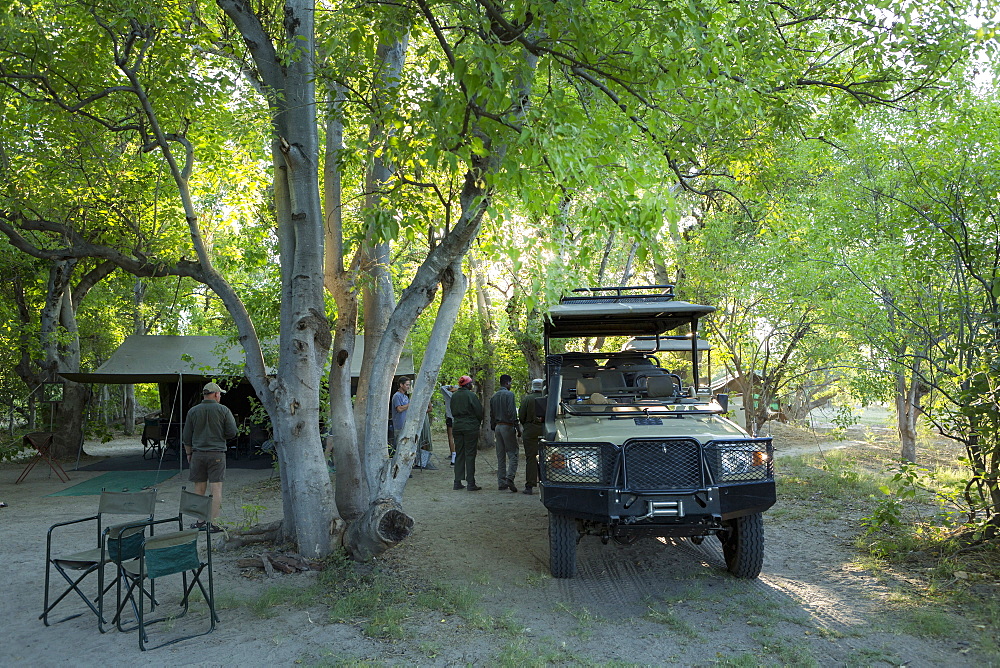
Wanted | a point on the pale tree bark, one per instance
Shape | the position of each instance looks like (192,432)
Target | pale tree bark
(292,398)
(378,298)
(128,390)
(907,413)
(385,524)
(488,333)
(367,278)
(342,430)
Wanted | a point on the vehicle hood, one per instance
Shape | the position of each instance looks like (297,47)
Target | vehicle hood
(703,428)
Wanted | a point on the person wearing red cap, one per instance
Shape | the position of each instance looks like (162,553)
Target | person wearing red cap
(467,416)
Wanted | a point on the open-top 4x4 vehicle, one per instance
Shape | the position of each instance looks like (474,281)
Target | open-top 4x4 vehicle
(633,448)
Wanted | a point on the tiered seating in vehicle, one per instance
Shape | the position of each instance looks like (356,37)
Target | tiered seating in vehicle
(572,371)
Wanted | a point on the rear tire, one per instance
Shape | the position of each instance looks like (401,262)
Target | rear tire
(562,545)
(743,545)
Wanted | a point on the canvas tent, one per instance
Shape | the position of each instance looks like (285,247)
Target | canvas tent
(164,359)
(181,365)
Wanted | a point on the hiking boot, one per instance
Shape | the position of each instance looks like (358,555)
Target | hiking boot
(510,486)
(458,485)
(501,486)
(528,489)
(474,487)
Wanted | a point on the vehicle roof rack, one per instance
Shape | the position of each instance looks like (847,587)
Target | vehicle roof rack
(622,294)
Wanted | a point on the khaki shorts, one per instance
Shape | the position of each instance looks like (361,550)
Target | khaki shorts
(208,466)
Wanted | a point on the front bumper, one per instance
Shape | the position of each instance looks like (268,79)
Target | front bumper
(659,514)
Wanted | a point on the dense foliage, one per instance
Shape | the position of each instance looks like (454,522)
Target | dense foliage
(820,173)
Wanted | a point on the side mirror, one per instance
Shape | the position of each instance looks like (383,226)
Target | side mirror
(723,400)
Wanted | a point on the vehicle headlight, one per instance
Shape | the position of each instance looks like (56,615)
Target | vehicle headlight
(741,462)
(573,464)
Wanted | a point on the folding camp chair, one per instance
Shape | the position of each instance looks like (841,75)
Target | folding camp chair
(114,544)
(151,439)
(171,553)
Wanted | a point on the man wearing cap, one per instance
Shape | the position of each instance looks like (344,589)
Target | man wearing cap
(503,422)
(208,427)
(531,426)
(467,414)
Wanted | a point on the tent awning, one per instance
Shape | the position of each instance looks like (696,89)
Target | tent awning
(163,358)
(159,359)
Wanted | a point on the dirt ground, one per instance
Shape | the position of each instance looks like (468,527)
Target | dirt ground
(651,603)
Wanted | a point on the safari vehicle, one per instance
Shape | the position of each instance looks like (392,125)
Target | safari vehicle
(633,449)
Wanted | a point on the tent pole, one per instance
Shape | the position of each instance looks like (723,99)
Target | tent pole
(180,421)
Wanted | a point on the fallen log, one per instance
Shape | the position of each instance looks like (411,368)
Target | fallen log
(262,533)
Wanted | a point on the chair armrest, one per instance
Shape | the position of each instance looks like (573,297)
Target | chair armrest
(82,519)
(48,535)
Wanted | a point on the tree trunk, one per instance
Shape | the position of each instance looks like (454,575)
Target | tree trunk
(292,398)
(527,335)
(70,417)
(138,297)
(61,348)
(488,375)
(378,297)
(907,413)
(382,526)
(351,490)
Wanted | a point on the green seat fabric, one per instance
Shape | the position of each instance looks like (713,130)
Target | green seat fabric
(176,553)
(112,546)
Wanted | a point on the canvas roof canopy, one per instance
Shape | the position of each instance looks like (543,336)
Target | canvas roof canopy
(162,358)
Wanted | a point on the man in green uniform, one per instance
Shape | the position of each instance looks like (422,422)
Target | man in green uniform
(467,413)
(503,418)
(531,428)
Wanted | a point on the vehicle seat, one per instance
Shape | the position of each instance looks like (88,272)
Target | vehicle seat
(612,381)
(587,386)
(662,386)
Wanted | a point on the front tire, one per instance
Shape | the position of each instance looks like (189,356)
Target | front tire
(743,545)
(563,535)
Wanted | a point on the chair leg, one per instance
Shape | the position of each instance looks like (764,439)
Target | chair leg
(187,588)
(73,586)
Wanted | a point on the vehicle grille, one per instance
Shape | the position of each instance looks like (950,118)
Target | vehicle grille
(662,465)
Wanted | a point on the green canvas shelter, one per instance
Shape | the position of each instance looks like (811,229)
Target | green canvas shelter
(191,361)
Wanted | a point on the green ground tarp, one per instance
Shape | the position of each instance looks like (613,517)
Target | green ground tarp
(117,481)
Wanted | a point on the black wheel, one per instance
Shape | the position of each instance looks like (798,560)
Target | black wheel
(743,545)
(562,546)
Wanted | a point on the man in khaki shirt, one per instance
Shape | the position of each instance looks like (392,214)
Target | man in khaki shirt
(208,427)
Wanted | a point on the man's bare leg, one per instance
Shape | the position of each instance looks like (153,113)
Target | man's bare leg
(216,489)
